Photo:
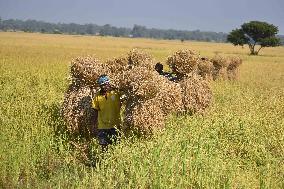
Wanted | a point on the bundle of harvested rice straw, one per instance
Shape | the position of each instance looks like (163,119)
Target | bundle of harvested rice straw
(233,67)
(197,94)
(77,110)
(205,69)
(150,97)
(183,62)
(226,67)
(220,67)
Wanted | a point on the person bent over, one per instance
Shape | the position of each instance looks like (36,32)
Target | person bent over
(107,112)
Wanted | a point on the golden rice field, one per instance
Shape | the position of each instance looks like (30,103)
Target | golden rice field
(238,143)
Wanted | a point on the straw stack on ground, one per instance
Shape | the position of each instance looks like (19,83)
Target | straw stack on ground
(183,62)
(169,97)
(205,68)
(85,71)
(192,72)
(77,110)
(197,94)
(233,67)
(132,75)
(139,58)
(148,117)
(149,96)
(220,67)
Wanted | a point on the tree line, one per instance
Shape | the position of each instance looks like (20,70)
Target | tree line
(107,30)
(137,31)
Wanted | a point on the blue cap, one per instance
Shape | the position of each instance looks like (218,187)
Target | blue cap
(103,79)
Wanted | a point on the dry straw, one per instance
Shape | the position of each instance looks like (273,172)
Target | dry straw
(86,70)
(183,62)
(133,75)
(77,110)
(205,68)
(149,96)
(197,94)
(169,97)
(226,67)
(137,57)
(116,69)
(141,82)
(145,117)
(193,72)
(220,67)
(233,67)
(146,114)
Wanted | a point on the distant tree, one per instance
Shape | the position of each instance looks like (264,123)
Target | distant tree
(139,31)
(89,29)
(106,30)
(255,33)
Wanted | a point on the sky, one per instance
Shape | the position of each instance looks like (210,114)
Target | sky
(203,15)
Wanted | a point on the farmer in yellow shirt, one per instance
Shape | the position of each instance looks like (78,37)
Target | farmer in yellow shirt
(107,107)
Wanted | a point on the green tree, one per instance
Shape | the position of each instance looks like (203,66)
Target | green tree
(139,31)
(255,33)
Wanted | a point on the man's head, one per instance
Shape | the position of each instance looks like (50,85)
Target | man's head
(159,67)
(103,82)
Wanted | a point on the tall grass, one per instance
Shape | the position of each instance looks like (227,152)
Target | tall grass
(239,143)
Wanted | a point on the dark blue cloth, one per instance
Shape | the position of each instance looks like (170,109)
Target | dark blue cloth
(170,76)
(107,136)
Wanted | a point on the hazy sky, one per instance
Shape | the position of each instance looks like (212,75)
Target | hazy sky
(205,15)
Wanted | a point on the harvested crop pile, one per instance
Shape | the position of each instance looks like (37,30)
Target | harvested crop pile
(140,82)
(226,67)
(205,68)
(145,112)
(183,62)
(77,110)
(193,72)
(86,70)
(116,69)
(140,58)
(149,96)
(220,67)
(145,117)
(197,95)
(169,97)
(133,75)
(233,67)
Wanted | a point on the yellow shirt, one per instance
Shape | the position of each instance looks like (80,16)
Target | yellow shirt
(108,109)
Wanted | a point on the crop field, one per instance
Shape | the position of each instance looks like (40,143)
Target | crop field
(238,143)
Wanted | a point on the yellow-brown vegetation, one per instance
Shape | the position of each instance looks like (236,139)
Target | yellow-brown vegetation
(135,77)
(238,144)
